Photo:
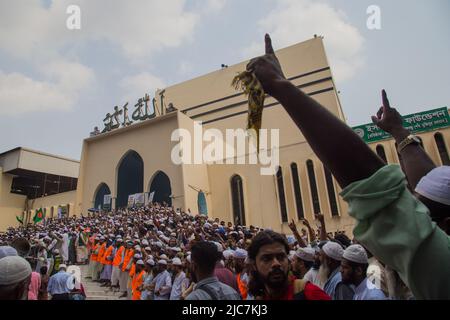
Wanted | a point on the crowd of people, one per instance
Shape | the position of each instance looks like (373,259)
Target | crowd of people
(400,248)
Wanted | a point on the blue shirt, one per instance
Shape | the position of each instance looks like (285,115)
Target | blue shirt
(163,284)
(366,290)
(146,294)
(57,283)
(334,279)
(177,286)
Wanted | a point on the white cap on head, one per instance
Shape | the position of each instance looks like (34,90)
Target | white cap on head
(150,262)
(240,254)
(137,256)
(306,254)
(356,253)
(162,262)
(62,266)
(227,254)
(436,185)
(333,250)
(140,262)
(163,256)
(13,269)
(176,262)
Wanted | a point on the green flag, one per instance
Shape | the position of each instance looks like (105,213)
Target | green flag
(39,216)
(19,219)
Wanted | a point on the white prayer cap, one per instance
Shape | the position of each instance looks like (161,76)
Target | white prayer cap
(173,234)
(62,266)
(148,249)
(333,250)
(7,251)
(150,262)
(140,262)
(188,258)
(145,242)
(227,254)
(176,249)
(56,251)
(13,269)
(163,262)
(163,256)
(436,185)
(306,254)
(219,246)
(356,253)
(176,262)
(240,254)
(137,256)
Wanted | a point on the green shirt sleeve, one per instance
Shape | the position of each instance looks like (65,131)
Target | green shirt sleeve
(397,229)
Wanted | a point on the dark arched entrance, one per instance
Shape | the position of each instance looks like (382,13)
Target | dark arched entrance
(161,186)
(102,190)
(130,178)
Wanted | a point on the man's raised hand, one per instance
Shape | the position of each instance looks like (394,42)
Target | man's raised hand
(387,118)
(267,68)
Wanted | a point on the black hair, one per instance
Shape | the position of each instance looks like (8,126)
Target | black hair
(205,255)
(265,238)
(256,284)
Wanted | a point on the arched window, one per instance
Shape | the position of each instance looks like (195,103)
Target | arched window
(297,191)
(281,195)
(443,153)
(130,178)
(313,186)
(160,185)
(331,192)
(381,153)
(102,190)
(237,198)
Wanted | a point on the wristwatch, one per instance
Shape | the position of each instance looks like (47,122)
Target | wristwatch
(407,141)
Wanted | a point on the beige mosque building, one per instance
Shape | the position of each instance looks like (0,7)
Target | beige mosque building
(134,155)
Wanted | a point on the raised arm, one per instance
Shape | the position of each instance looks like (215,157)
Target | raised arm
(416,161)
(345,154)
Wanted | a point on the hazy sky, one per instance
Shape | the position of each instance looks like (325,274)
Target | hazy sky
(57,84)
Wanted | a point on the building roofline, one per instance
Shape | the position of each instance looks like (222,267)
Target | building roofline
(132,127)
(38,152)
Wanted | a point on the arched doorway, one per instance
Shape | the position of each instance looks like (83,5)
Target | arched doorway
(102,190)
(130,178)
(161,186)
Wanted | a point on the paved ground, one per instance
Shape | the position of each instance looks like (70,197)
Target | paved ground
(93,289)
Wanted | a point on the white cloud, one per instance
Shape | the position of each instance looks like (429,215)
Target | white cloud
(294,21)
(213,6)
(29,30)
(59,91)
(136,86)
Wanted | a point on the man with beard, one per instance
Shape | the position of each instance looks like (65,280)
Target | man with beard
(239,258)
(331,256)
(269,279)
(354,271)
(204,256)
(303,261)
(162,282)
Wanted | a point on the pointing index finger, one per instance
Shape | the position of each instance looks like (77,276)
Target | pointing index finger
(386,103)
(269,48)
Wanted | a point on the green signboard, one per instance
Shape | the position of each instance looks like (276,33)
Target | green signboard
(416,123)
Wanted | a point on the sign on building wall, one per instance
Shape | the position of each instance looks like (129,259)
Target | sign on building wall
(139,199)
(107,202)
(131,199)
(416,123)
